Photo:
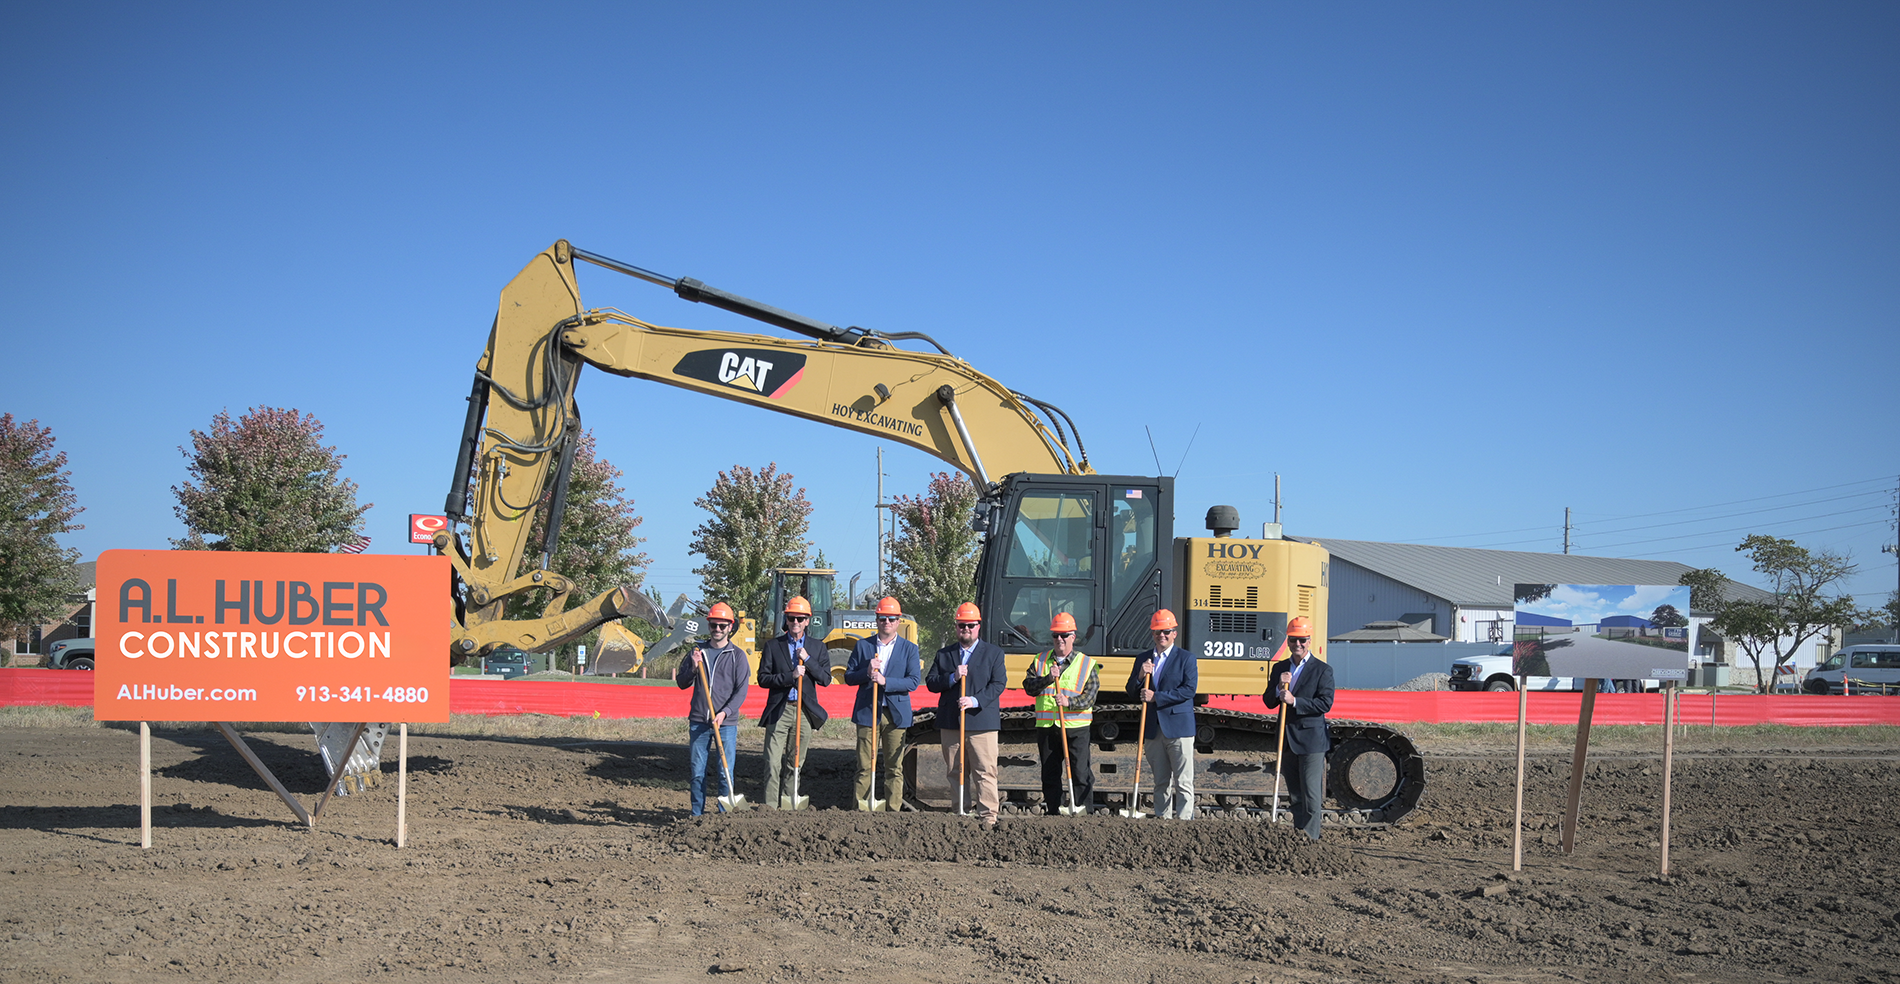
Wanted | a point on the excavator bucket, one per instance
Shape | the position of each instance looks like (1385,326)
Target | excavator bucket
(620,650)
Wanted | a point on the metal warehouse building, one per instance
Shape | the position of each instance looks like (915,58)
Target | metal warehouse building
(1465,594)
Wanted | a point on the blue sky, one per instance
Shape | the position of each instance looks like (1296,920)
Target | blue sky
(1588,604)
(1366,247)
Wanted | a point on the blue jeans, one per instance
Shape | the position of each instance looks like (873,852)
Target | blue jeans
(700,741)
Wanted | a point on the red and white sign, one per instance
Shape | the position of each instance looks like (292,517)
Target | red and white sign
(210,635)
(422,528)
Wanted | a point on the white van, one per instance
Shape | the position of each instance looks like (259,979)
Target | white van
(1873,669)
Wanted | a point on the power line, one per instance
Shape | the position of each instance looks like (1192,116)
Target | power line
(1749,512)
(1736,529)
(1736,502)
(1723,543)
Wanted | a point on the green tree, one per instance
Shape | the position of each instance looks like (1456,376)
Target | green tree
(1667,617)
(37,504)
(598,547)
(933,562)
(758,522)
(1804,603)
(1527,593)
(266,482)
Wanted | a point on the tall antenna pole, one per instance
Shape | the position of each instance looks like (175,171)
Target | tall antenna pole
(1566,529)
(1276,497)
(880,519)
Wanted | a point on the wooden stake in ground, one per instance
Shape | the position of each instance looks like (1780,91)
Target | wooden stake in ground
(1517,824)
(1577,761)
(1669,754)
(145,784)
(402,786)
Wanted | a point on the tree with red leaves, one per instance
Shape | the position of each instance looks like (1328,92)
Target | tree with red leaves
(266,482)
(933,562)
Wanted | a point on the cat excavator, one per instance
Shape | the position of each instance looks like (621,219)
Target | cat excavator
(1057,536)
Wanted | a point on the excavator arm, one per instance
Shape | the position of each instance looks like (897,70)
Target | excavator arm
(523,422)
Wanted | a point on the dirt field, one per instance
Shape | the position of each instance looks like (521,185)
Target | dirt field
(571,859)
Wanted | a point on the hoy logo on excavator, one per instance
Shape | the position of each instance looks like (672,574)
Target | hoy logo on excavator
(767,372)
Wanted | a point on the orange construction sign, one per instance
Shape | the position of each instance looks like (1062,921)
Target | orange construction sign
(205,635)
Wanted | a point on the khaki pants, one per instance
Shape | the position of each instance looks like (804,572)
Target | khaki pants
(1171,763)
(890,787)
(779,748)
(980,779)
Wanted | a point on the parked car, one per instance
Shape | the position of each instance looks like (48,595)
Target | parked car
(1494,673)
(506,662)
(70,654)
(1873,668)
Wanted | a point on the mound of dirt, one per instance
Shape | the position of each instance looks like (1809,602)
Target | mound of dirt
(1049,842)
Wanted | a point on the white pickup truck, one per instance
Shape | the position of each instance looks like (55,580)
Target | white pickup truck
(1494,673)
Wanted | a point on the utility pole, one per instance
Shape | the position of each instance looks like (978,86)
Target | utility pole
(1276,497)
(880,520)
(1566,529)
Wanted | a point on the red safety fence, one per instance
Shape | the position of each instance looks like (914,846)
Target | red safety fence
(611,700)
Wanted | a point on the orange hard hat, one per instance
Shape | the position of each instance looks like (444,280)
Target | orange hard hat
(1162,619)
(889,606)
(1063,622)
(796,605)
(721,610)
(1300,628)
(967,612)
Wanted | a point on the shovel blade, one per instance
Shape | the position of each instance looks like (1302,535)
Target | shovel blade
(794,802)
(874,806)
(733,802)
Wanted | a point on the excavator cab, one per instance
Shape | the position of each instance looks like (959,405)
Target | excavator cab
(1094,546)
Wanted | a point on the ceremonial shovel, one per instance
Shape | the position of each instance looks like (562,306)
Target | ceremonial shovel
(871,803)
(732,800)
(1068,770)
(795,801)
(1141,739)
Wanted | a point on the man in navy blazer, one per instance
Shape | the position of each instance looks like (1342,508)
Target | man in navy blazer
(1303,691)
(889,665)
(970,675)
(791,666)
(1165,680)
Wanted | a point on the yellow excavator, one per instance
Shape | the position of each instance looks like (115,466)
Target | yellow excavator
(1058,537)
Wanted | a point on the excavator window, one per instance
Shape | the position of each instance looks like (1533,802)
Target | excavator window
(1035,605)
(1131,545)
(1054,536)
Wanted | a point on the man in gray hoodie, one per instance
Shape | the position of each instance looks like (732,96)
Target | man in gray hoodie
(720,675)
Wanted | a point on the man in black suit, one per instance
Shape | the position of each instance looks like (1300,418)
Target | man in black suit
(970,677)
(1303,691)
(791,665)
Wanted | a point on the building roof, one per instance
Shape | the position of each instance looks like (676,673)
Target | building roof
(1388,631)
(1471,578)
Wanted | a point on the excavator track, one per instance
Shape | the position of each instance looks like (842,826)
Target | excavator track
(1375,773)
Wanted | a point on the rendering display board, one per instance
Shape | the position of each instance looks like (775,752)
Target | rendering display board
(206,635)
(1608,631)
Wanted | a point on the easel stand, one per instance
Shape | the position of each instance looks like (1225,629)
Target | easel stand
(309,817)
(1517,823)
(1669,756)
(1577,762)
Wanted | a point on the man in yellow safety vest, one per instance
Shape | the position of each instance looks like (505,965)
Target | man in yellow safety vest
(1064,683)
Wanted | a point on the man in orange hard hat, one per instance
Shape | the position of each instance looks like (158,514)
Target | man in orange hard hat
(1064,684)
(719,676)
(970,675)
(889,666)
(1302,691)
(791,665)
(1171,677)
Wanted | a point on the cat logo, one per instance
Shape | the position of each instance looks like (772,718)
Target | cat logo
(768,372)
